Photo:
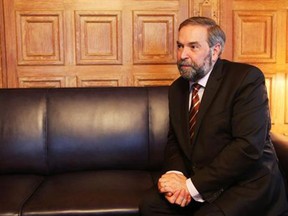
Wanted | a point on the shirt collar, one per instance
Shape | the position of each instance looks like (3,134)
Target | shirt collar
(203,81)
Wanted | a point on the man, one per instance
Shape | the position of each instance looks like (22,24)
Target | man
(219,159)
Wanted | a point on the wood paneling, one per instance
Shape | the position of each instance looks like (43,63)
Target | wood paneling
(81,41)
(39,37)
(36,82)
(270,84)
(154,37)
(208,8)
(98,37)
(153,79)
(2,48)
(87,81)
(286,103)
(249,25)
(286,35)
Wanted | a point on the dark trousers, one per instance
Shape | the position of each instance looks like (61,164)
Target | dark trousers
(155,204)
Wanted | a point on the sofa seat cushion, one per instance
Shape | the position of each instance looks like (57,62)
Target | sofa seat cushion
(90,193)
(15,190)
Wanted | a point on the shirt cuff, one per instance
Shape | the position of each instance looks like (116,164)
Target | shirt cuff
(175,171)
(193,191)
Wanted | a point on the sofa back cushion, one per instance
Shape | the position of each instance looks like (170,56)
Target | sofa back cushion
(106,128)
(46,131)
(22,131)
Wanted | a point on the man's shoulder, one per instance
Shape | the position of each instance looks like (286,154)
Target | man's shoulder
(179,86)
(239,74)
(226,64)
(180,81)
(240,69)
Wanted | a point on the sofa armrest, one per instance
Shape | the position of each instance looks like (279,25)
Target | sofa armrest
(280,143)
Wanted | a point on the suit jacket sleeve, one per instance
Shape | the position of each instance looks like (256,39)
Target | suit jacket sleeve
(174,159)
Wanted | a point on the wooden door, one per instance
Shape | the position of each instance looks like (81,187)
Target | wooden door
(70,43)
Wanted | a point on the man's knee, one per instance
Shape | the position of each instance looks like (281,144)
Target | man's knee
(144,206)
(149,202)
(209,210)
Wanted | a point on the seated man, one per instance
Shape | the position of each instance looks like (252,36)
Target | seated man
(219,158)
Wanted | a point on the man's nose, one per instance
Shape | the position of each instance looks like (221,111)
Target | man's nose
(184,53)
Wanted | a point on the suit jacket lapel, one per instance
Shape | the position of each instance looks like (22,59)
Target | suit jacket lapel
(210,91)
(180,104)
(184,116)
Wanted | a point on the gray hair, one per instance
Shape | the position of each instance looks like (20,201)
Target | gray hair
(215,33)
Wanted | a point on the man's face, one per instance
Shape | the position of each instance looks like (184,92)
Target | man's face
(194,56)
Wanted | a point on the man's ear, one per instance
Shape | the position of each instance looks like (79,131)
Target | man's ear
(216,51)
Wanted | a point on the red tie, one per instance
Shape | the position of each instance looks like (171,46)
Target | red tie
(195,103)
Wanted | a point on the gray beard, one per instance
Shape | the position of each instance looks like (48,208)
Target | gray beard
(195,72)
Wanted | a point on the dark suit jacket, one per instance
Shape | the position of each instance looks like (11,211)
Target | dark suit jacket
(231,160)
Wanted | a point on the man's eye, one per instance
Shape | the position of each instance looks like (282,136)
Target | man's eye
(193,47)
(179,46)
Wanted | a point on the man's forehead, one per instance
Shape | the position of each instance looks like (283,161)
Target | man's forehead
(192,34)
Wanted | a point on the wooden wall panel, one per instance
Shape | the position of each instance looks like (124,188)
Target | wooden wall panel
(80,41)
(2,48)
(36,82)
(1,59)
(279,104)
(286,103)
(249,25)
(40,37)
(153,80)
(98,37)
(270,85)
(87,81)
(208,8)
(154,37)
(287,36)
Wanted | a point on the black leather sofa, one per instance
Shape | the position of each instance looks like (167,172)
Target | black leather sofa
(80,151)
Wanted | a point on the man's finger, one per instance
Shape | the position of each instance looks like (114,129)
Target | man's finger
(180,200)
(173,198)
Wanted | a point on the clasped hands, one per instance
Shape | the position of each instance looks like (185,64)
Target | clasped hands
(173,186)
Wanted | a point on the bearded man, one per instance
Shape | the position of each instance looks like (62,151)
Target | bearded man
(219,159)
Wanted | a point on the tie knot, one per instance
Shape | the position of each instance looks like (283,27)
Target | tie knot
(196,87)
